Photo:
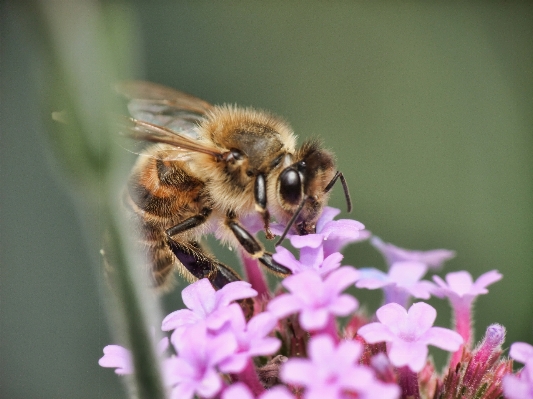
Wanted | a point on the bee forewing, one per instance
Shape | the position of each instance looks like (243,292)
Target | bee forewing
(160,113)
(141,130)
(140,90)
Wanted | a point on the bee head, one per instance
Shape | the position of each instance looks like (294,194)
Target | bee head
(303,187)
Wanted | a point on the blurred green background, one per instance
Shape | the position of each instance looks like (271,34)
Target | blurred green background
(427,106)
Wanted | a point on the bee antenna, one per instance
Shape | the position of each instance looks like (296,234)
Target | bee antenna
(291,222)
(344,186)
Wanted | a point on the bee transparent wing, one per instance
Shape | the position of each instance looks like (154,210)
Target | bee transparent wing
(161,114)
(164,106)
(146,131)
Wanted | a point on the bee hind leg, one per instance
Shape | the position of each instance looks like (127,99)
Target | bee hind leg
(194,259)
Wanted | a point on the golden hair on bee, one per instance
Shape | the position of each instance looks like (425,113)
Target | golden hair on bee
(220,170)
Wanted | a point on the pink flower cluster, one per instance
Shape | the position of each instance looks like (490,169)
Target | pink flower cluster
(289,345)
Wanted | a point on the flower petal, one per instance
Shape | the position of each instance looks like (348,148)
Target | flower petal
(179,318)
(234,291)
(392,315)
(340,279)
(297,371)
(314,319)
(421,317)
(285,257)
(328,214)
(284,305)
(118,357)
(520,351)
(343,305)
(443,338)
(376,332)
(237,390)
(487,279)
(411,354)
(199,297)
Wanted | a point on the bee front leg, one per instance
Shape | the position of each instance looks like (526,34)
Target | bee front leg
(254,248)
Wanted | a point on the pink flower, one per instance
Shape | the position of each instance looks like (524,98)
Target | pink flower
(519,387)
(252,338)
(522,352)
(194,370)
(204,304)
(459,286)
(330,237)
(408,333)
(286,258)
(331,371)
(116,356)
(433,259)
(316,299)
(402,281)
(241,391)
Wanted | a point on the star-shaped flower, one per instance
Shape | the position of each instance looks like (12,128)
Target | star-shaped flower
(433,259)
(194,370)
(316,299)
(332,371)
(252,338)
(118,357)
(519,387)
(522,352)
(408,333)
(460,287)
(330,237)
(204,304)
(402,281)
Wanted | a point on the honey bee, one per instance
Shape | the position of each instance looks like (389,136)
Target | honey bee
(220,170)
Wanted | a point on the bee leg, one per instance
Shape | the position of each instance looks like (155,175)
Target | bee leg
(193,258)
(260,197)
(189,223)
(250,245)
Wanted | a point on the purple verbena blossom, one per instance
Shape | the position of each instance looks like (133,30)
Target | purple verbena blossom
(286,258)
(408,333)
(461,291)
(194,371)
(204,304)
(118,357)
(522,352)
(241,391)
(401,282)
(332,371)
(330,237)
(433,259)
(316,299)
(519,387)
(252,337)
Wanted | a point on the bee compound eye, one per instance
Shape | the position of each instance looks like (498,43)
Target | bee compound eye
(290,187)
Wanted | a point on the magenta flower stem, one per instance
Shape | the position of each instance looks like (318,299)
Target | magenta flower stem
(250,378)
(408,382)
(254,275)
(463,325)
